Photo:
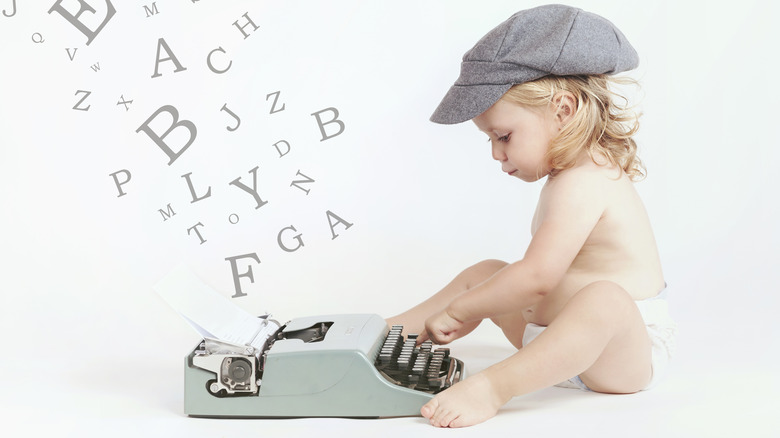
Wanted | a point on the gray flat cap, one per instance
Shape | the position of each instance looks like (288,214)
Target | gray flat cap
(547,40)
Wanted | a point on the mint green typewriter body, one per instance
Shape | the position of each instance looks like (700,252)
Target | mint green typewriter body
(319,366)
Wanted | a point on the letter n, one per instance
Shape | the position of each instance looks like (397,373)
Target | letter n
(297,183)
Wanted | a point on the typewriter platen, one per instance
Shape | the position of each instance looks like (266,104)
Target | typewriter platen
(320,366)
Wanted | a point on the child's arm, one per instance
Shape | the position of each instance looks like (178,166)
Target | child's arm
(569,208)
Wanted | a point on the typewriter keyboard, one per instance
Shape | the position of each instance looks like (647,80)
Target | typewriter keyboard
(418,367)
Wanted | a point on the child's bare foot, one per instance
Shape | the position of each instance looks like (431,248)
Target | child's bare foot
(466,403)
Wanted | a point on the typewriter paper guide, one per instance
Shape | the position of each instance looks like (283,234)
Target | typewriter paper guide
(211,314)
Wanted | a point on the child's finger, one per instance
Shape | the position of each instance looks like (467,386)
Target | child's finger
(441,338)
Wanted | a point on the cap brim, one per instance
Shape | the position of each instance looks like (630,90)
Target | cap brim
(462,103)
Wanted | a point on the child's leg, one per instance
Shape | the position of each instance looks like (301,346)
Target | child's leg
(599,335)
(413,319)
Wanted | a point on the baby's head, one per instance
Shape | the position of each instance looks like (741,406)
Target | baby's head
(539,52)
(602,123)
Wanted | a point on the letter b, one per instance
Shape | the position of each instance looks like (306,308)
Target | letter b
(335,119)
(160,139)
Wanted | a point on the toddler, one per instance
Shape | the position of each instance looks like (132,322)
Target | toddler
(585,305)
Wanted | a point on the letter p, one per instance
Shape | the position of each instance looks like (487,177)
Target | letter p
(118,183)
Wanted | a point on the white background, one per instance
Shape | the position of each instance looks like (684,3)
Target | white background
(89,349)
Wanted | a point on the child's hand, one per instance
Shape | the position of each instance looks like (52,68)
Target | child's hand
(442,328)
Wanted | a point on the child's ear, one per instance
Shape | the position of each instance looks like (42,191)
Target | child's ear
(564,105)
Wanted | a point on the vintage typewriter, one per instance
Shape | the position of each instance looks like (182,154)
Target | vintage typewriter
(319,366)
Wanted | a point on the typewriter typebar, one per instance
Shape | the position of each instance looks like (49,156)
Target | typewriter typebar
(319,366)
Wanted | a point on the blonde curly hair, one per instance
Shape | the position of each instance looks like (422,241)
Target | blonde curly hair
(603,122)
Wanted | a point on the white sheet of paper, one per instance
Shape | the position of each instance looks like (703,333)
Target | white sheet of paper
(209,313)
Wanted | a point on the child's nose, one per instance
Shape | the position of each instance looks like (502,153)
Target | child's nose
(498,152)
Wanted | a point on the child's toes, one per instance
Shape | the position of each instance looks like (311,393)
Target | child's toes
(449,420)
(429,408)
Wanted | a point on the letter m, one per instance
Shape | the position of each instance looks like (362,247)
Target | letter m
(167,214)
(151,11)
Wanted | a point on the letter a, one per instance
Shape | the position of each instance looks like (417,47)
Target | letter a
(171,57)
(74,19)
(160,139)
(332,224)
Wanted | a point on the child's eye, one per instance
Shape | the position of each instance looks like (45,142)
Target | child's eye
(502,139)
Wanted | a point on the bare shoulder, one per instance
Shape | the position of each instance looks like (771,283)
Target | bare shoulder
(573,195)
(586,182)
(585,190)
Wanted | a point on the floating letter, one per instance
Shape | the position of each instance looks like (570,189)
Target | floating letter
(13,11)
(151,11)
(276,145)
(241,28)
(332,224)
(211,66)
(176,123)
(86,95)
(236,275)
(195,229)
(302,181)
(168,214)
(297,237)
(74,19)
(238,120)
(195,197)
(171,57)
(275,94)
(253,191)
(119,184)
(124,102)
(335,120)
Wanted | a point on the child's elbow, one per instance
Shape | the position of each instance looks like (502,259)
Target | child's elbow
(542,282)
(538,280)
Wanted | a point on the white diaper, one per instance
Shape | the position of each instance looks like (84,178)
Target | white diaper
(660,327)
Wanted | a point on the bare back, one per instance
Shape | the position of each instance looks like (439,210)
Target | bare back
(620,248)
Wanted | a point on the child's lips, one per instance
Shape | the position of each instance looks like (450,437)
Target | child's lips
(512,172)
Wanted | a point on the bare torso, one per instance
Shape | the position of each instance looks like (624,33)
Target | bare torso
(621,248)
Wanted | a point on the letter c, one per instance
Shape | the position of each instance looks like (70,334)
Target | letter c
(211,66)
